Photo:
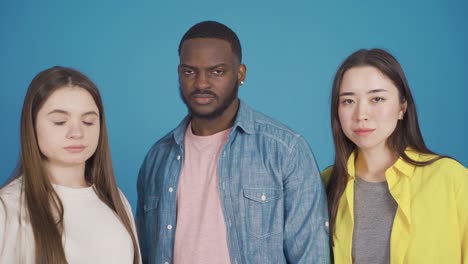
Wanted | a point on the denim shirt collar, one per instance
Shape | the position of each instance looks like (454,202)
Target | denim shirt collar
(244,120)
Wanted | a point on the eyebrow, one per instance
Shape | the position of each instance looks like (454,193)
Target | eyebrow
(210,67)
(369,92)
(59,111)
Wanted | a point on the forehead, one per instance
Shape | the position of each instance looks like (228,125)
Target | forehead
(70,99)
(366,78)
(206,51)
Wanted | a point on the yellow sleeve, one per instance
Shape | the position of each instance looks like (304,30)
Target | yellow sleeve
(461,196)
(326,174)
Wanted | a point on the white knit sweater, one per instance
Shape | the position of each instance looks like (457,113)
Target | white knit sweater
(92,231)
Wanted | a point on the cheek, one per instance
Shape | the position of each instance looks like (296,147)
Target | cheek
(185,82)
(387,114)
(183,89)
(45,138)
(93,140)
(49,145)
(344,117)
(93,137)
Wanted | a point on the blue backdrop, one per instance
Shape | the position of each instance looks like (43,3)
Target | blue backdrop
(291,48)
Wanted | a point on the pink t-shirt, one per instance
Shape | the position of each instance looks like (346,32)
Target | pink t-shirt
(201,231)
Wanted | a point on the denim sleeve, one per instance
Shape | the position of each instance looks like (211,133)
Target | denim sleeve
(140,216)
(306,214)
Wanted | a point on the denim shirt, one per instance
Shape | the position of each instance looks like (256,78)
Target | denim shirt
(271,194)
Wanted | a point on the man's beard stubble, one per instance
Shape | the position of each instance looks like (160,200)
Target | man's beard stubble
(218,111)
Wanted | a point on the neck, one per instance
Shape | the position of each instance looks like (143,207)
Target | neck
(69,176)
(207,127)
(371,165)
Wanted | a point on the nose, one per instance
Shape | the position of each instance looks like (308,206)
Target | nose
(362,111)
(202,81)
(75,131)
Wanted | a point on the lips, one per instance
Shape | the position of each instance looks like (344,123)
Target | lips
(203,98)
(363,131)
(75,148)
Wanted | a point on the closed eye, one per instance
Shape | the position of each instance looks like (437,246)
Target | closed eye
(88,123)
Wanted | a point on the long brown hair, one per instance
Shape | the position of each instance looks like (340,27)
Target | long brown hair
(43,206)
(406,133)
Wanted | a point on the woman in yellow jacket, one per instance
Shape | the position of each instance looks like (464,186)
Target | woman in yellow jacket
(391,199)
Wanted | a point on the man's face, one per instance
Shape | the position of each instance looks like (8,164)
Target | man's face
(209,75)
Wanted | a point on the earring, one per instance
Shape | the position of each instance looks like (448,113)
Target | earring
(241,82)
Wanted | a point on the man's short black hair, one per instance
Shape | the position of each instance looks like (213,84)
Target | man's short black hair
(216,30)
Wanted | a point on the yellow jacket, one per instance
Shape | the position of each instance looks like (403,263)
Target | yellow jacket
(431,222)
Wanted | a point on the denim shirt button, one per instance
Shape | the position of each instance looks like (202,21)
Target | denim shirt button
(263,197)
(169,227)
(166,262)
(178,157)
(170,189)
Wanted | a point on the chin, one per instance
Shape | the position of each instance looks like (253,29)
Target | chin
(203,114)
(72,161)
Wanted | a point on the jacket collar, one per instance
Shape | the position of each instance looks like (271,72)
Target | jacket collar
(244,120)
(402,166)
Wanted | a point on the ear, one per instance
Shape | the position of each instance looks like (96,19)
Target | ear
(402,112)
(241,73)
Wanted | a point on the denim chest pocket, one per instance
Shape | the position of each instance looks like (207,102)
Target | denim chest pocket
(264,211)
(150,203)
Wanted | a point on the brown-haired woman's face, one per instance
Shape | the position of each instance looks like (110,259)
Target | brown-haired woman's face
(369,107)
(67,127)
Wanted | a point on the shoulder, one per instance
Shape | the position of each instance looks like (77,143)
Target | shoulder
(10,198)
(444,165)
(125,201)
(441,166)
(446,172)
(160,148)
(12,190)
(164,142)
(127,206)
(454,174)
(267,124)
(326,174)
(268,127)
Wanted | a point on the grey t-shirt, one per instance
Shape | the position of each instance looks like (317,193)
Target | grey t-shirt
(374,211)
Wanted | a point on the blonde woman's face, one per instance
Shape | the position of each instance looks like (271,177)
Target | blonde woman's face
(68,127)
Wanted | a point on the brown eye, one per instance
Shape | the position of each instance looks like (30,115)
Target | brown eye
(218,72)
(378,99)
(187,72)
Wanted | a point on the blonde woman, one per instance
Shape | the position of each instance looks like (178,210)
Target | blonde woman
(63,205)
